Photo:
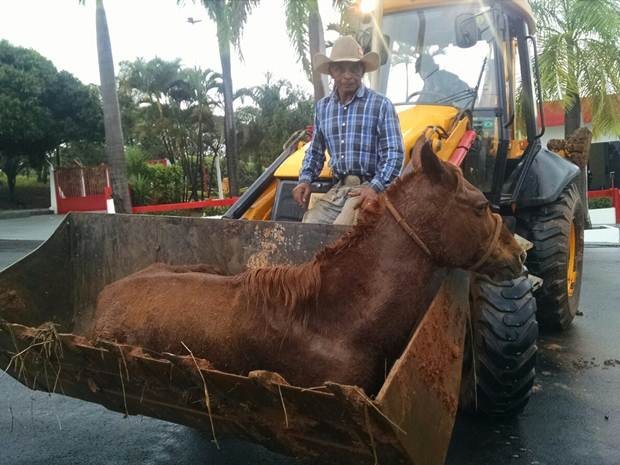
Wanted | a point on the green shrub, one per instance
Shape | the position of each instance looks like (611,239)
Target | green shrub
(140,189)
(167,183)
(213,211)
(157,184)
(600,202)
(136,161)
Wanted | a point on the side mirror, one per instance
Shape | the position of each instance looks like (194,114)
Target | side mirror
(466,30)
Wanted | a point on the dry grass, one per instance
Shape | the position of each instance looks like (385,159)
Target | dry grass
(45,349)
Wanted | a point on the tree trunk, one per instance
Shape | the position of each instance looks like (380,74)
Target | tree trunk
(200,157)
(572,116)
(230,132)
(111,116)
(317,45)
(11,169)
(11,179)
(572,111)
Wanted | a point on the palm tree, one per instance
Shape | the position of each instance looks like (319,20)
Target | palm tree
(149,83)
(114,149)
(194,88)
(230,17)
(579,58)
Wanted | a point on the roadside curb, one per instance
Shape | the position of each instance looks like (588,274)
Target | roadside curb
(7,214)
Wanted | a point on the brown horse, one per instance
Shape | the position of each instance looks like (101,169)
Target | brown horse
(338,317)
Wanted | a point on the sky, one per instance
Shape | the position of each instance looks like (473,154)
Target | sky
(64,32)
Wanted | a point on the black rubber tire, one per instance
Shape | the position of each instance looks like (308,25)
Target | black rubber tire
(505,333)
(548,228)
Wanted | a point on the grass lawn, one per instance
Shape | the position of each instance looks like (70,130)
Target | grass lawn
(28,193)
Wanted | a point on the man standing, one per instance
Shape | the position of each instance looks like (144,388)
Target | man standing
(360,129)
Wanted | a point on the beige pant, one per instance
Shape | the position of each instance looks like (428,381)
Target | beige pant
(336,207)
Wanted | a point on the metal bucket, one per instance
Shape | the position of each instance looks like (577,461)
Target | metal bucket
(409,421)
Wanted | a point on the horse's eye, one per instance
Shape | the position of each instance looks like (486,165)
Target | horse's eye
(481,207)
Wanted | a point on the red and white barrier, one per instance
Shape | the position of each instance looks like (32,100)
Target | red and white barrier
(166,207)
(614,195)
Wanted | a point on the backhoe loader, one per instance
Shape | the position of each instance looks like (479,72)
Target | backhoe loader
(490,125)
(487,119)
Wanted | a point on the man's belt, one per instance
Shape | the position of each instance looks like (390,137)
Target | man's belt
(352,180)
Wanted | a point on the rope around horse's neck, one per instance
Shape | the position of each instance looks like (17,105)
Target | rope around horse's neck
(402,222)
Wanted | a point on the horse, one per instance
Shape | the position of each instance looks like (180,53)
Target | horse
(337,317)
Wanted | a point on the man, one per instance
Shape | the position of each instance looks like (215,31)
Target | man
(440,86)
(360,129)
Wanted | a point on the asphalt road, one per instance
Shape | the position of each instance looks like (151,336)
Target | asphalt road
(572,419)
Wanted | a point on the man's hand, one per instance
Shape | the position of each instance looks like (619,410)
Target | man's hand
(368,197)
(301,194)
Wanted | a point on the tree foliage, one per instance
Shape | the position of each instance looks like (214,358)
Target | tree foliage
(278,110)
(174,112)
(40,110)
(168,113)
(580,58)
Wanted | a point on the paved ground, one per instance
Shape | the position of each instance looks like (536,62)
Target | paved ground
(573,418)
(19,236)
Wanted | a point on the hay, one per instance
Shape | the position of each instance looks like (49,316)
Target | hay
(373,447)
(283,407)
(45,348)
(120,374)
(206,393)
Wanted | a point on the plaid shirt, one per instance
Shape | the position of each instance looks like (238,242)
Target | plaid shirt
(363,138)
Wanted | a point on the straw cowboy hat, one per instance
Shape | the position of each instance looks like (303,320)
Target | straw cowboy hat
(346,48)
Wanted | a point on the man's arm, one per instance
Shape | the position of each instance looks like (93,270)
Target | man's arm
(390,148)
(315,155)
(312,164)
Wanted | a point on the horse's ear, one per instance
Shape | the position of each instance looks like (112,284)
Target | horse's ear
(429,163)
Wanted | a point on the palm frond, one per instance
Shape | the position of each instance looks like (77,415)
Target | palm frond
(342,5)
(297,16)
(579,55)
(237,12)
(600,82)
(597,18)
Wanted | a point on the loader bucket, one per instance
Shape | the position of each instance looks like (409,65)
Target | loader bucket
(47,300)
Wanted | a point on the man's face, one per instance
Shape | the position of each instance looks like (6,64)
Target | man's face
(347,75)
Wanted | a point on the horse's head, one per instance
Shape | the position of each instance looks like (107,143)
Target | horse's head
(454,220)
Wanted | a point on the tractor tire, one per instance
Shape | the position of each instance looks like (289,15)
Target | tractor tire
(556,230)
(503,358)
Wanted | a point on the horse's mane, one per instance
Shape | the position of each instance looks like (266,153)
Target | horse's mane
(294,289)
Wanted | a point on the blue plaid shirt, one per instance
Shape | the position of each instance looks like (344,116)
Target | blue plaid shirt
(363,138)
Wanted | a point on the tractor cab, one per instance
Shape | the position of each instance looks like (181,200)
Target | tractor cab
(473,57)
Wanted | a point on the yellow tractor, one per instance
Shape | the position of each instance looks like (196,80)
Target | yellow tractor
(483,112)
(486,120)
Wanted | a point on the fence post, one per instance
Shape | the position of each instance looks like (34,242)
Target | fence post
(218,176)
(109,201)
(615,199)
(53,201)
